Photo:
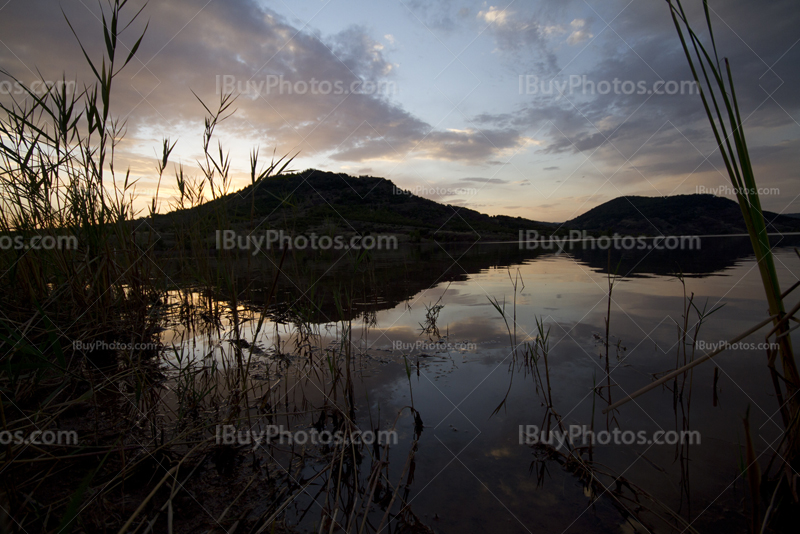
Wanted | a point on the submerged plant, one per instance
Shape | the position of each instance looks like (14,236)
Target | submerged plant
(430,326)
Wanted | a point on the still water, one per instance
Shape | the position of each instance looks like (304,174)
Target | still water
(472,470)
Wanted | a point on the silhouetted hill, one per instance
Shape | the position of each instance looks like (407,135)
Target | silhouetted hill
(325,202)
(320,201)
(676,215)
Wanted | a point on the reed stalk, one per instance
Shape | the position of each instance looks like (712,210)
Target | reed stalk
(721,105)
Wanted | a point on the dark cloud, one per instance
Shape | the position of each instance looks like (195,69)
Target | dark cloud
(645,138)
(521,35)
(469,145)
(286,78)
(484,180)
(438,15)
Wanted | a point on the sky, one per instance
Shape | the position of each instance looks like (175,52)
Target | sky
(538,109)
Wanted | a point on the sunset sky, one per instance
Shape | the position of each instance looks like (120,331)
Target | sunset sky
(466,107)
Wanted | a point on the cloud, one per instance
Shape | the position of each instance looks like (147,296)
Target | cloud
(495,15)
(579,33)
(658,141)
(474,145)
(484,180)
(517,33)
(440,15)
(286,78)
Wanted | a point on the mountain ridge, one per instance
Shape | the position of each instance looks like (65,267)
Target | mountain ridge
(698,214)
(321,201)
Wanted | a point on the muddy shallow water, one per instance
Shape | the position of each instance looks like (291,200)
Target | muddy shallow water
(471,471)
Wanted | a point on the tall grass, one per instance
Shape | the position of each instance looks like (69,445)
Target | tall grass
(719,99)
(721,105)
(58,179)
(153,418)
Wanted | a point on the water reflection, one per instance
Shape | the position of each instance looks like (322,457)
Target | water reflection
(381,280)
(456,377)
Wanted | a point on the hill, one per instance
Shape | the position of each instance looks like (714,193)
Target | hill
(326,202)
(675,215)
(319,201)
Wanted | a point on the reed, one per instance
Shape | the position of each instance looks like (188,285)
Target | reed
(719,99)
(153,412)
(718,95)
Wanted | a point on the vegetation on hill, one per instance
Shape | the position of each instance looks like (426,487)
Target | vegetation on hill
(326,202)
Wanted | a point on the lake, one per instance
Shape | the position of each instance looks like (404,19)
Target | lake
(421,327)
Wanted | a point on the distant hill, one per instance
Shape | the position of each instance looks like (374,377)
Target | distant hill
(675,215)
